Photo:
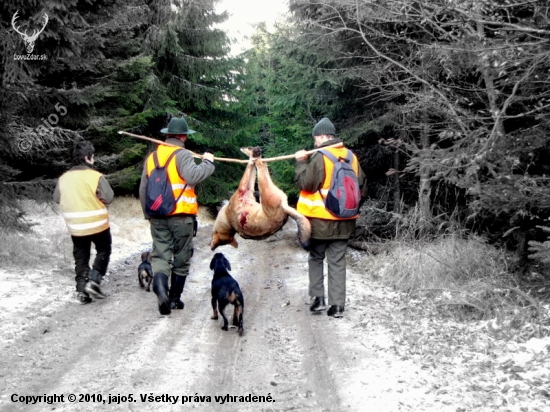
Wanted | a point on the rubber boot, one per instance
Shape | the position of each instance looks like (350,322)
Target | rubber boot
(161,289)
(318,304)
(92,287)
(177,282)
(81,280)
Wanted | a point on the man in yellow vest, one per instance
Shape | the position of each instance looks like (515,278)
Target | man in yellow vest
(82,194)
(173,233)
(329,234)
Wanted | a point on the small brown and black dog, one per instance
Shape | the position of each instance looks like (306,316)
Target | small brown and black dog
(225,290)
(145,271)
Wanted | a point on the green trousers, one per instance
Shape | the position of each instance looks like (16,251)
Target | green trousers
(172,245)
(335,253)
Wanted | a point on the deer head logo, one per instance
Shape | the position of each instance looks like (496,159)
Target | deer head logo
(29,40)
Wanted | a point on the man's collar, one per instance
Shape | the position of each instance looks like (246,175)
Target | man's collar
(330,142)
(174,141)
(82,166)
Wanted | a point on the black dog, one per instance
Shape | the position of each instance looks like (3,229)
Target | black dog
(225,290)
(145,271)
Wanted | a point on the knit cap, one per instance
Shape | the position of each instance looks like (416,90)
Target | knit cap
(324,126)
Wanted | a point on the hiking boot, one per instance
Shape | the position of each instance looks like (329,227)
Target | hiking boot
(83,298)
(336,311)
(318,304)
(92,287)
(160,287)
(176,304)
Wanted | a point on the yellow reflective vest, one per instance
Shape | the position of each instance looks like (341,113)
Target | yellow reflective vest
(313,204)
(184,193)
(83,212)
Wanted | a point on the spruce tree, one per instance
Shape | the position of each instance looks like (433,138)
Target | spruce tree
(48,102)
(111,66)
(196,78)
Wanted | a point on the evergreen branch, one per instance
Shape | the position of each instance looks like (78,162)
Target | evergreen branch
(189,83)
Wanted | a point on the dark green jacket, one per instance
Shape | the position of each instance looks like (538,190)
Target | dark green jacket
(310,177)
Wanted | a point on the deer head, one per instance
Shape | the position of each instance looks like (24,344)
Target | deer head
(29,40)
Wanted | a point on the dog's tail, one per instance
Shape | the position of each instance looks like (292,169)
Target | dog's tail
(304,227)
(238,313)
(239,310)
(241,329)
(145,277)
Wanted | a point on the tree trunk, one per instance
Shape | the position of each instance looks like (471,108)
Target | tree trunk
(425,188)
(396,175)
(490,88)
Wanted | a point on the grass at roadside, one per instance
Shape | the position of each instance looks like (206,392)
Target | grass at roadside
(47,241)
(464,278)
(48,244)
(447,266)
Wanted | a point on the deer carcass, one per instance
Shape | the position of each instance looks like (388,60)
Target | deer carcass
(253,220)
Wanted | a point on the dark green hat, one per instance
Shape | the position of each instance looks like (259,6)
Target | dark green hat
(324,126)
(177,125)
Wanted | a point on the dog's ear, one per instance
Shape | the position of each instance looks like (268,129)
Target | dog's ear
(227,264)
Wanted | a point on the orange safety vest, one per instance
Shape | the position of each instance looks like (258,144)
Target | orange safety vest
(187,202)
(313,204)
(83,212)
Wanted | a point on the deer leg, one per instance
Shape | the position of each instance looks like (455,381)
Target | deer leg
(248,181)
(246,185)
(270,195)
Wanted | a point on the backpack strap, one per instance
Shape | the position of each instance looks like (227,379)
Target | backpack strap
(166,164)
(334,159)
(156,157)
(171,156)
(329,155)
(349,157)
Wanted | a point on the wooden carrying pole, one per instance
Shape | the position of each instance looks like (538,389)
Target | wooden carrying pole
(309,152)
(223,159)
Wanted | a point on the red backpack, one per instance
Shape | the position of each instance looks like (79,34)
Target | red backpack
(159,196)
(343,196)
